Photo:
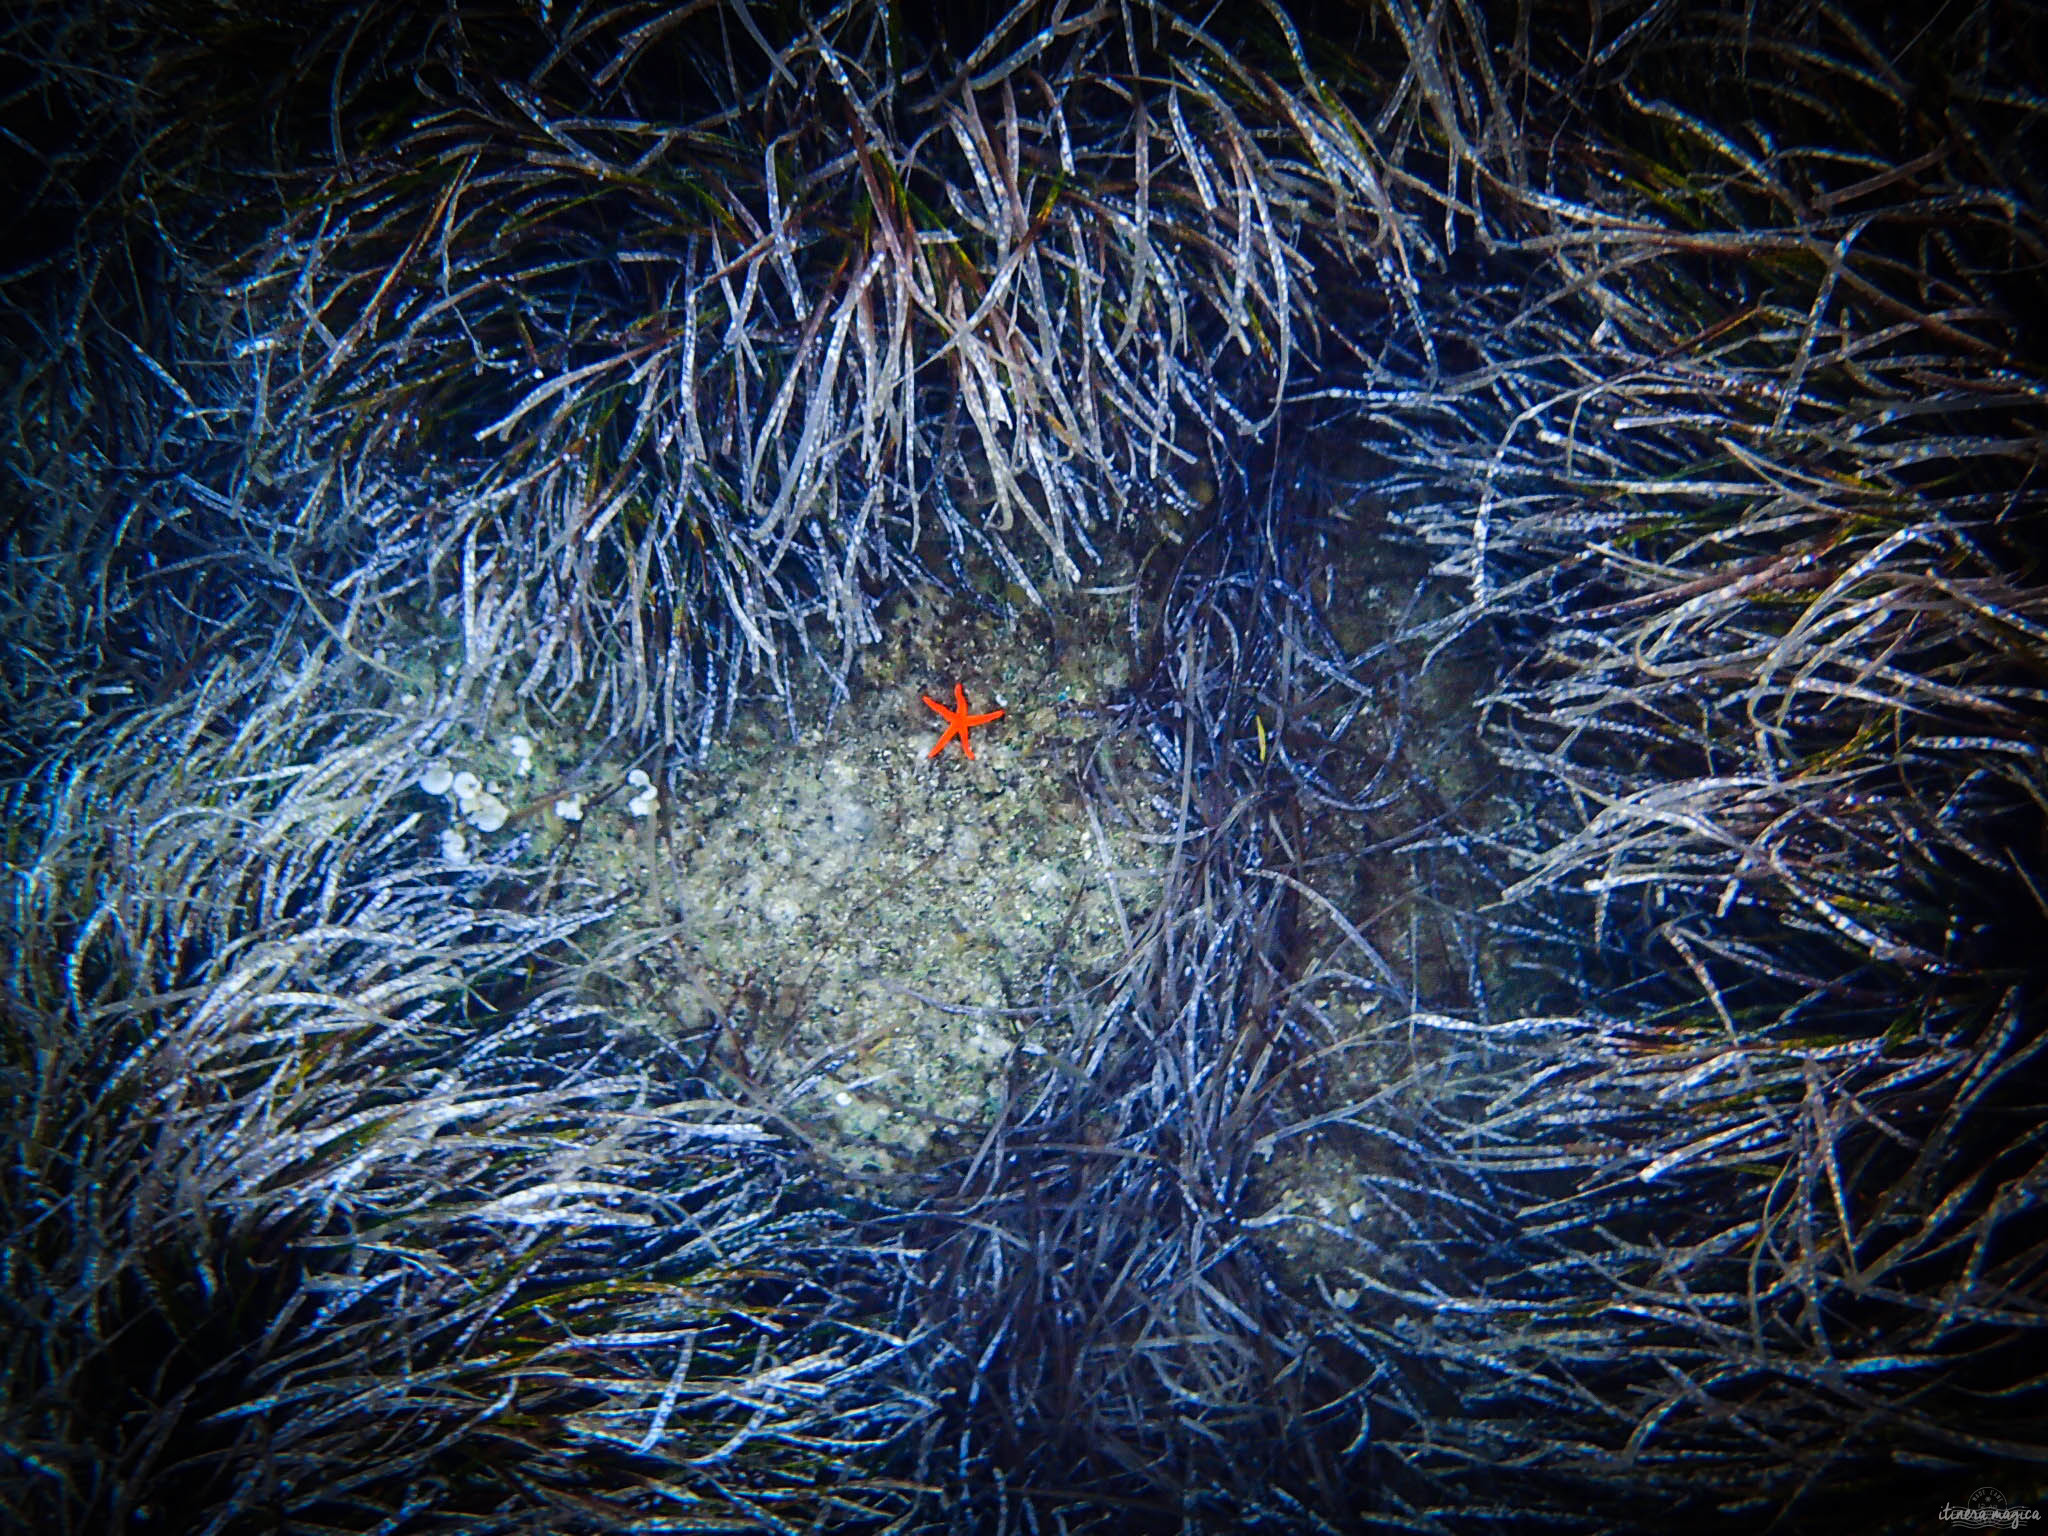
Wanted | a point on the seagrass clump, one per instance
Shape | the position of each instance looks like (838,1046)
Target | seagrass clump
(1752,478)
(1641,1132)
(329,1205)
(691,335)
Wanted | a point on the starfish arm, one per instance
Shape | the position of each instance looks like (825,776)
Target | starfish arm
(952,725)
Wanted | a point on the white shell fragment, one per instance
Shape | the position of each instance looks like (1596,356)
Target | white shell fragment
(475,801)
(570,808)
(642,804)
(488,813)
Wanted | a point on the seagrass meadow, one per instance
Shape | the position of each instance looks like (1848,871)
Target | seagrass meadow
(1488,977)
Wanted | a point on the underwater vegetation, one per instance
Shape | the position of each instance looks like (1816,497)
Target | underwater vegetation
(1488,975)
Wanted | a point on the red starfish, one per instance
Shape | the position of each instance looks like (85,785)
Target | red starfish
(958,721)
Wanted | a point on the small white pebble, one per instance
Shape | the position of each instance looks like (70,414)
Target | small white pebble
(570,808)
(454,846)
(438,779)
